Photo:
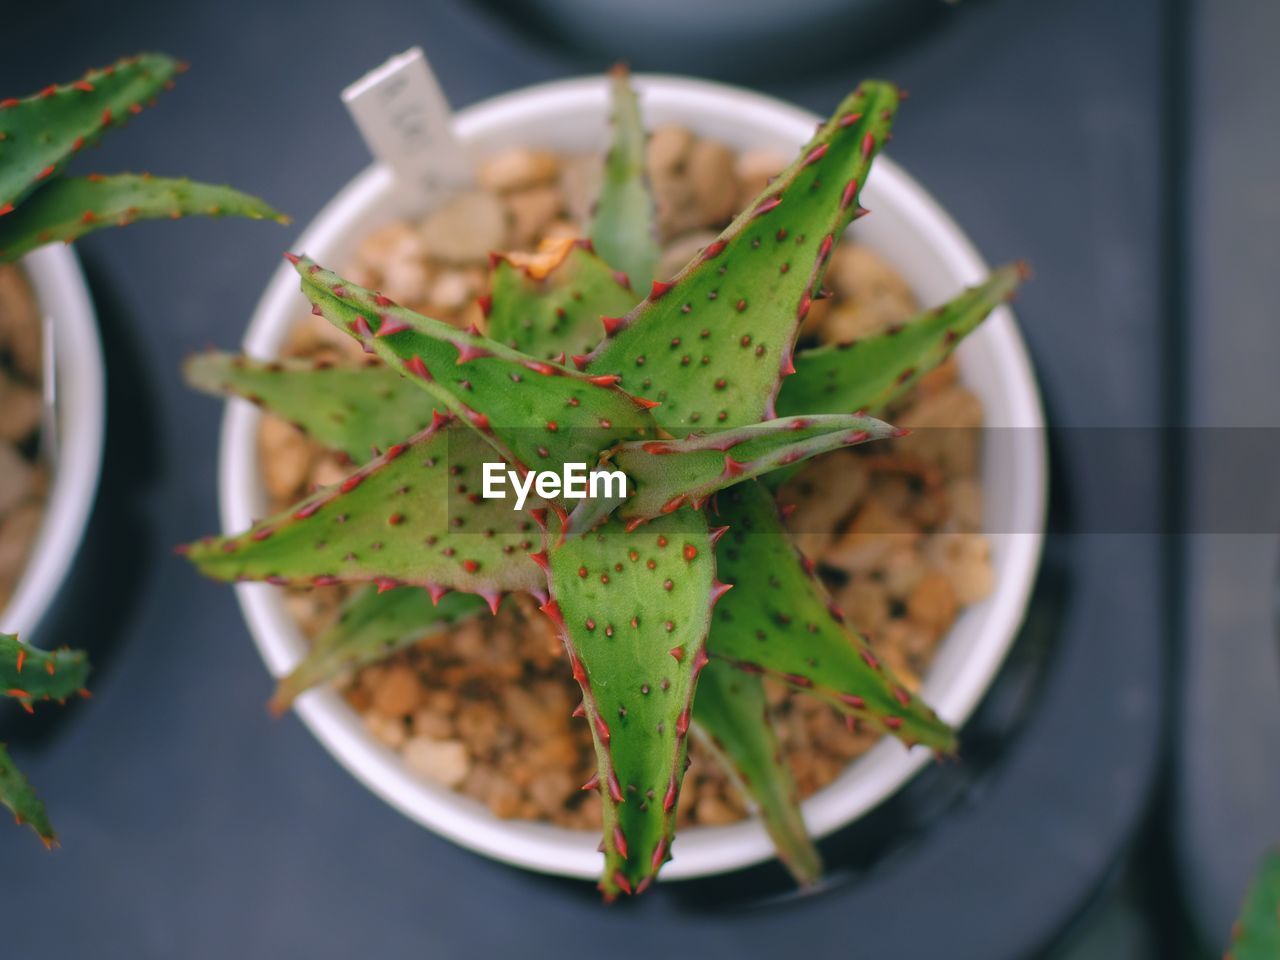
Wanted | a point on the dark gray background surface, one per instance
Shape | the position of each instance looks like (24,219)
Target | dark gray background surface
(194,826)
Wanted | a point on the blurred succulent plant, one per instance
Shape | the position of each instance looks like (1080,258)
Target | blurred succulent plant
(39,135)
(28,675)
(682,395)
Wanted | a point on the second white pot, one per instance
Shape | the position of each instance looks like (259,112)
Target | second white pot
(912,232)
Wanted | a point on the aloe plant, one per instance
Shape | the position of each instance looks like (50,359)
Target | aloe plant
(679,394)
(28,676)
(41,134)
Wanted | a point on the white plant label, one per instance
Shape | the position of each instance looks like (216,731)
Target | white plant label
(406,122)
(574,483)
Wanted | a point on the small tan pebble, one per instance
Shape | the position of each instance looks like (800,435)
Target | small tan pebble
(395,241)
(406,280)
(865,604)
(946,430)
(550,788)
(442,701)
(479,725)
(668,149)
(874,295)
(503,799)
(357,698)
(285,455)
(17,478)
(450,291)
(591,811)
(469,640)
(518,169)
(330,469)
(20,408)
(876,530)
(902,569)
(17,532)
(965,559)
(388,730)
(899,645)
(532,211)
(20,328)
(466,228)
(580,177)
(774,691)
(398,692)
(954,407)
(931,508)
(561,230)
(710,170)
(932,603)
(964,497)
(755,167)
(824,494)
(681,250)
(445,761)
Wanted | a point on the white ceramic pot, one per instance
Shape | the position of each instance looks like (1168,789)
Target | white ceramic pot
(914,234)
(62,294)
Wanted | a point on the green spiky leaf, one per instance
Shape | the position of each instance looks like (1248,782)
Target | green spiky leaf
(713,345)
(546,310)
(28,674)
(669,474)
(624,223)
(371,626)
(534,412)
(67,209)
(411,516)
(39,135)
(871,373)
(634,611)
(358,410)
(19,796)
(778,621)
(731,717)
(1257,933)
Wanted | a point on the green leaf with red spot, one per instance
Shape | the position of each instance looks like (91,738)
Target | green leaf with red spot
(545,312)
(634,610)
(713,345)
(778,621)
(19,796)
(39,134)
(411,516)
(668,474)
(1256,935)
(357,410)
(534,412)
(372,626)
(624,224)
(28,674)
(871,373)
(731,717)
(67,209)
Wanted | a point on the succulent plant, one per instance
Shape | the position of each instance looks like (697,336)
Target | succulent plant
(28,675)
(1257,932)
(39,135)
(681,394)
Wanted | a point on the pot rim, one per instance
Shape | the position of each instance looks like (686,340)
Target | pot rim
(61,291)
(702,850)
